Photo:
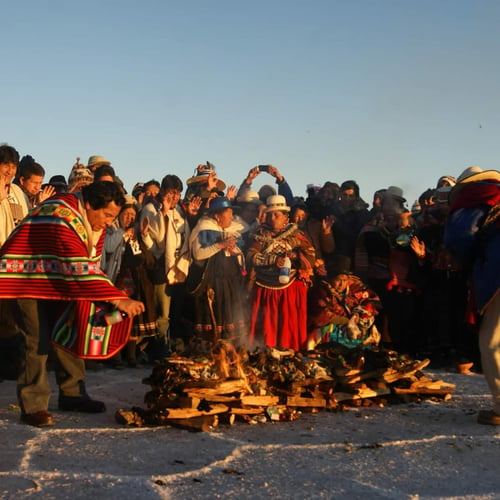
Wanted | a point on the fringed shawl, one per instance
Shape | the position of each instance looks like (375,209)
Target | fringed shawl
(47,257)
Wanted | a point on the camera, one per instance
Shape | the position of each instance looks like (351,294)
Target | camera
(264,168)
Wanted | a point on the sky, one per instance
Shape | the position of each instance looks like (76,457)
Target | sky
(385,92)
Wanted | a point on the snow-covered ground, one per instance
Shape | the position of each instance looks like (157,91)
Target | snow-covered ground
(425,450)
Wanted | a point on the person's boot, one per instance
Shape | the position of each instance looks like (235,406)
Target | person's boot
(40,418)
(82,403)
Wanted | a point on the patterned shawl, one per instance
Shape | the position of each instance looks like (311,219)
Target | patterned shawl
(48,257)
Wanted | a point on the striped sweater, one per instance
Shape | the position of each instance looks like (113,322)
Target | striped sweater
(48,257)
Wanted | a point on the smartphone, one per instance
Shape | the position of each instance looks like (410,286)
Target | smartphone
(264,168)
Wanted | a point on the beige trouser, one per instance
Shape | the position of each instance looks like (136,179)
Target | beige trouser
(36,320)
(489,345)
(162,301)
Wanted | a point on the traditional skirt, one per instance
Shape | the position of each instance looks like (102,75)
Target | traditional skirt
(220,301)
(279,316)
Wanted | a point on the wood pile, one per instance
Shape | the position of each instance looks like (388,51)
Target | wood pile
(229,385)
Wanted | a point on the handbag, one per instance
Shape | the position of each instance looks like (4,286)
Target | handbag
(91,330)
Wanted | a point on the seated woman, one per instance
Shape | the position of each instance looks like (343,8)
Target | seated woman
(342,309)
(282,259)
(216,275)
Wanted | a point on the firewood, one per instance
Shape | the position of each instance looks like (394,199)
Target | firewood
(251,419)
(317,402)
(422,391)
(201,423)
(259,400)
(311,381)
(211,397)
(432,384)
(435,387)
(181,413)
(218,386)
(131,418)
(379,372)
(395,375)
(346,372)
(361,393)
(246,411)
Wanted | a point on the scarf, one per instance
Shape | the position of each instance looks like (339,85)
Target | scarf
(177,258)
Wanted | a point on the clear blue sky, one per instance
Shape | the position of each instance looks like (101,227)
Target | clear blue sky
(386,92)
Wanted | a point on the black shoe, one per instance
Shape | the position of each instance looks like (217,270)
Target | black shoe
(81,403)
(40,418)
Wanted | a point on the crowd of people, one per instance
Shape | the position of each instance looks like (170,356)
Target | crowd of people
(184,269)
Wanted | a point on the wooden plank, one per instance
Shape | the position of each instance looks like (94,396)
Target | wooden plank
(212,398)
(395,375)
(181,413)
(202,423)
(306,402)
(423,390)
(362,393)
(246,411)
(217,386)
(259,400)
(310,382)
(432,384)
(379,372)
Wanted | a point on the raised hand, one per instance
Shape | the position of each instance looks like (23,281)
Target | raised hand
(231,192)
(418,247)
(252,174)
(272,170)
(194,205)
(212,181)
(327,223)
(46,193)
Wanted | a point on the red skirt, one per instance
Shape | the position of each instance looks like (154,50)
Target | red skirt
(279,317)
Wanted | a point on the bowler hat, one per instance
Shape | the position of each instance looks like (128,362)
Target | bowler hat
(219,203)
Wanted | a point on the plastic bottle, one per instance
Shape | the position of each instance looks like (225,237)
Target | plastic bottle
(114,317)
(284,276)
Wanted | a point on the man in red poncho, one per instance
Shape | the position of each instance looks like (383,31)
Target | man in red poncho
(52,257)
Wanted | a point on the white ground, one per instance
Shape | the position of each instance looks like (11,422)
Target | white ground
(426,450)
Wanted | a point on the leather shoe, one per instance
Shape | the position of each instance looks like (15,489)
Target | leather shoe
(81,403)
(488,417)
(40,418)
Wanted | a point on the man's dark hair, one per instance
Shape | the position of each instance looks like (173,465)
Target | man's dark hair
(100,193)
(350,185)
(427,195)
(152,182)
(103,171)
(28,167)
(171,182)
(8,154)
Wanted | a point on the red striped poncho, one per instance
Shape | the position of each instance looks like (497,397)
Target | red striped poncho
(47,257)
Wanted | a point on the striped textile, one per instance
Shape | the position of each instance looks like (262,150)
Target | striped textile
(47,257)
(83,331)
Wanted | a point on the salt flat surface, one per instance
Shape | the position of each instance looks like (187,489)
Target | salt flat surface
(428,450)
